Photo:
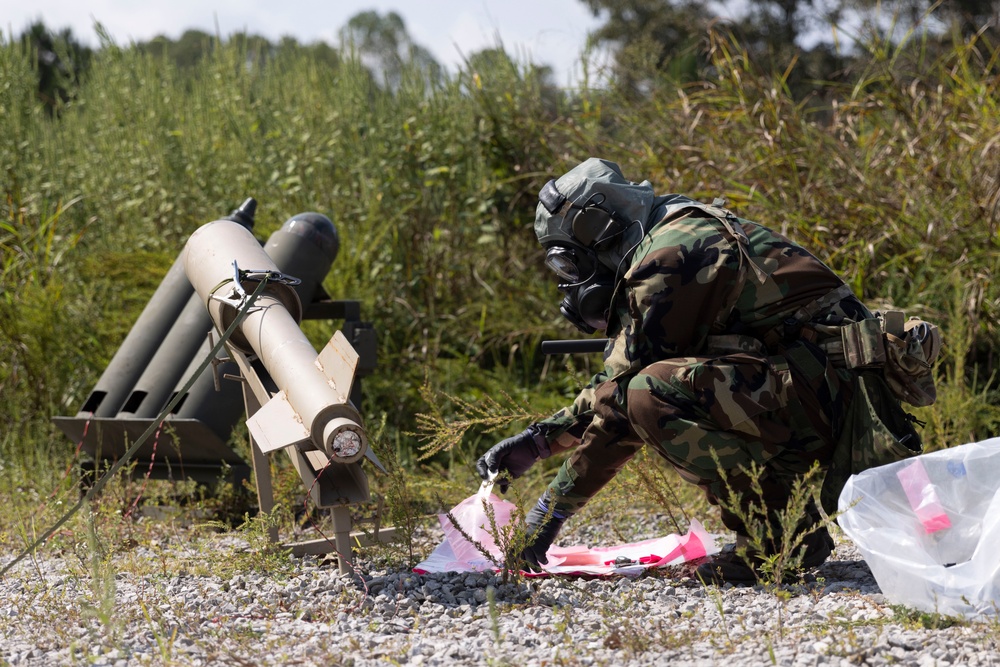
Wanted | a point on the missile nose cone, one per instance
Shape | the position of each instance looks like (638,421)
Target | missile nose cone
(318,228)
(245,213)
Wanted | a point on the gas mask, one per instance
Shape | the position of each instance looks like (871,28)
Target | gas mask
(587,284)
(590,221)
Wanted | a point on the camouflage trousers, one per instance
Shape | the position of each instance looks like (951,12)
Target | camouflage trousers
(713,417)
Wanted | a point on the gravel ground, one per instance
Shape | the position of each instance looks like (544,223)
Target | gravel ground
(57,611)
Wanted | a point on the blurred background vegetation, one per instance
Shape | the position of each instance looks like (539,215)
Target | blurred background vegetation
(880,153)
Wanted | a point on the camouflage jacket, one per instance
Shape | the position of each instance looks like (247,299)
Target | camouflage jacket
(701,275)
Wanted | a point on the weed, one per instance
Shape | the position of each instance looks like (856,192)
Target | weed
(564,623)
(400,497)
(164,644)
(770,651)
(510,538)
(966,401)
(260,554)
(782,596)
(440,433)
(631,638)
(661,485)
(925,620)
(101,581)
(494,611)
(775,546)
(719,603)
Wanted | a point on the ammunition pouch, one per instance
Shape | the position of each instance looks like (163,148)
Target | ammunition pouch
(893,358)
(905,351)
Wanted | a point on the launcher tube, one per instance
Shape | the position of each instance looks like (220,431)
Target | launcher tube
(270,330)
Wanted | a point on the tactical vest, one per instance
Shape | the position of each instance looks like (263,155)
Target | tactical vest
(892,356)
(903,350)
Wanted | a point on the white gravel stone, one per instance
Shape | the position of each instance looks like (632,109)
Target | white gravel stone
(315,616)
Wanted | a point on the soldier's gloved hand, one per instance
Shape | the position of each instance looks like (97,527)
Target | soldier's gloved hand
(514,455)
(544,526)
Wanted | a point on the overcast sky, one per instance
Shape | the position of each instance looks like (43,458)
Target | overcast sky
(549,32)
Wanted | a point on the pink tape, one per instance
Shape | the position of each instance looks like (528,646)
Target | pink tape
(923,497)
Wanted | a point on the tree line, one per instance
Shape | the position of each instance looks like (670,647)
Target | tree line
(809,41)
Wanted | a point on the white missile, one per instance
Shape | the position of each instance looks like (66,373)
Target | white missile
(311,410)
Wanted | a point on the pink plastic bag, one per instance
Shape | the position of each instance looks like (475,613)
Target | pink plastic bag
(457,554)
(461,554)
(632,558)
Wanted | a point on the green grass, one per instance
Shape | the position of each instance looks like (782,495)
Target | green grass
(432,186)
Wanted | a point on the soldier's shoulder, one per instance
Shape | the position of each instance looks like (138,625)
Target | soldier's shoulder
(685,232)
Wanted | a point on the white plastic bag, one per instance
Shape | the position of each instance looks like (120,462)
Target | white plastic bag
(929,528)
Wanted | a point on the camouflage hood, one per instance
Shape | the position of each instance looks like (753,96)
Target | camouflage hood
(632,201)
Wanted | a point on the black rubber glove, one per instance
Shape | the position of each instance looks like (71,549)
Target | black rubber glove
(514,455)
(544,527)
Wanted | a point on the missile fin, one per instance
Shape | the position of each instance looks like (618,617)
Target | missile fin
(339,361)
(370,455)
(277,425)
(317,459)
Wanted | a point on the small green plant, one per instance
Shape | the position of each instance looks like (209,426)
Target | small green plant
(261,553)
(629,637)
(770,651)
(661,485)
(440,432)
(783,596)
(925,620)
(564,623)
(775,544)
(101,580)
(163,644)
(966,406)
(494,610)
(718,602)
(400,498)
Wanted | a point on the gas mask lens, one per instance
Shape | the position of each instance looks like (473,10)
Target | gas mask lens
(562,262)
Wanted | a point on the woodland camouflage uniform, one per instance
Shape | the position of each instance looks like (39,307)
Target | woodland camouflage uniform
(729,346)
(715,338)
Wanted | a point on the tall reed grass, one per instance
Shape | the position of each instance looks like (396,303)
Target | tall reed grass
(432,184)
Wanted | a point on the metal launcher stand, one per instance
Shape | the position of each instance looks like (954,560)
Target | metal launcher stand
(331,485)
(293,399)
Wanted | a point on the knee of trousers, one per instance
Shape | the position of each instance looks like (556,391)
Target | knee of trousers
(659,410)
(674,423)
